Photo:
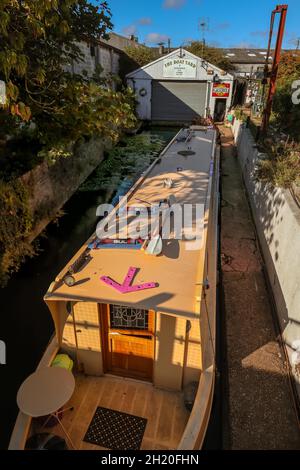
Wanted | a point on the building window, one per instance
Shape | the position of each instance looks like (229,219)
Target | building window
(93,51)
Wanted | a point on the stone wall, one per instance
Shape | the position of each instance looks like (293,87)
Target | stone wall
(108,58)
(50,186)
(277,219)
(106,53)
(120,42)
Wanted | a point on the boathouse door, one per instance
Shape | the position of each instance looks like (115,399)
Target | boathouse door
(129,342)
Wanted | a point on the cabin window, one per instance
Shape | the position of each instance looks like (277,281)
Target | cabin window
(126,318)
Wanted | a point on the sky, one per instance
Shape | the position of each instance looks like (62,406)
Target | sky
(230,23)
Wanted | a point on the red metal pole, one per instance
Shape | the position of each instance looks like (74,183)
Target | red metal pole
(282,9)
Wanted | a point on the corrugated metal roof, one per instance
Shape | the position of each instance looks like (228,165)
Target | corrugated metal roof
(246,56)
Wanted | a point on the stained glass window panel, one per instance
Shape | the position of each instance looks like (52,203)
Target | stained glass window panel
(127,318)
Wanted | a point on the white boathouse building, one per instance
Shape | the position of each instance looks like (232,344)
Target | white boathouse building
(181,87)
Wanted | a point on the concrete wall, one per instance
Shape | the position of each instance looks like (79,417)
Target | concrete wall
(50,186)
(277,219)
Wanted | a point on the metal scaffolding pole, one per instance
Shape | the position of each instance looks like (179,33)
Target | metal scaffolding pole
(282,9)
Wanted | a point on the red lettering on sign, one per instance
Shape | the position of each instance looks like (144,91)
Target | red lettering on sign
(221,90)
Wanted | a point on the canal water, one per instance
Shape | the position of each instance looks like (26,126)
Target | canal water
(26,325)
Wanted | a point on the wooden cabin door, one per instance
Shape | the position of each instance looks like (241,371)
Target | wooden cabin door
(129,342)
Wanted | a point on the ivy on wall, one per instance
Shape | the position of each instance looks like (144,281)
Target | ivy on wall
(15,227)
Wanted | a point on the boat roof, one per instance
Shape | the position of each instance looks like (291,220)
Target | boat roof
(178,270)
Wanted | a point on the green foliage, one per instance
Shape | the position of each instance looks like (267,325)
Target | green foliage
(212,55)
(239,114)
(141,55)
(15,226)
(39,40)
(135,57)
(286,115)
(89,110)
(19,155)
(289,67)
(281,167)
(48,109)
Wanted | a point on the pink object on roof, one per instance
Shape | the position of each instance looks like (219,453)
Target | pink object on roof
(126,287)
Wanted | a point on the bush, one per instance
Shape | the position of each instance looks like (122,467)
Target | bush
(281,167)
(240,115)
(286,115)
(212,55)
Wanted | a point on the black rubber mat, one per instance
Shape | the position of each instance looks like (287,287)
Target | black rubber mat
(116,430)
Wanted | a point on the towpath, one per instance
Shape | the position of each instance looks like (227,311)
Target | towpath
(260,412)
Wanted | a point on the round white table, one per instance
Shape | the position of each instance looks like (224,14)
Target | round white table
(45,392)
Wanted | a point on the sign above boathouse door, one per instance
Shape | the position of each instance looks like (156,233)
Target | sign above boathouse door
(221,90)
(180,68)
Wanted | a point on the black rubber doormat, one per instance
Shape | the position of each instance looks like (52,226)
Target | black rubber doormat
(115,430)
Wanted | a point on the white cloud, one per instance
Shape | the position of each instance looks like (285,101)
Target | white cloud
(174,3)
(145,21)
(261,34)
(155,38)
(129,30)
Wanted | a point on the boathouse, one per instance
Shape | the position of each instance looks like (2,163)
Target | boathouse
(180,87)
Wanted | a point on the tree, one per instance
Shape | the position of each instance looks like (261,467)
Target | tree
(135,57)
(210,54)
(141,55)
(38,40)
(289,67)
(46,103)
(286,114)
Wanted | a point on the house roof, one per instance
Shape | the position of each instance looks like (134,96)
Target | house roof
(238,55)
(246,56)
(249,56)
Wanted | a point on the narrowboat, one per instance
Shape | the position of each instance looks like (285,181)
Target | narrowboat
(136,315)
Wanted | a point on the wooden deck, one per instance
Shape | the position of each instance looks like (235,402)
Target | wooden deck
(165,411)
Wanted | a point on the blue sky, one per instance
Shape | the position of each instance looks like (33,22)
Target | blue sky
(232,23)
